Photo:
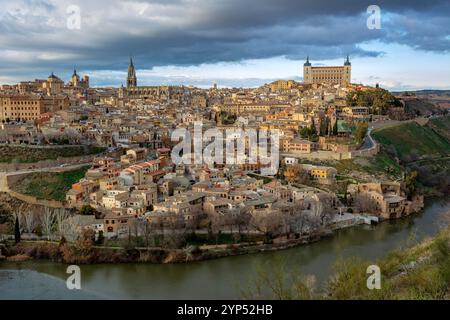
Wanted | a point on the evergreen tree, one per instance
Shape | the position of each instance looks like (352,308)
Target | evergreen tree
(335,128)
(17,231)
(323,129)
(313,130)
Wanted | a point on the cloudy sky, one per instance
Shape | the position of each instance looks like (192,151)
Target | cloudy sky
(230,42)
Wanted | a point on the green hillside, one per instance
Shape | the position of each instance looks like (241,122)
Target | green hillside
(442,126)
(421,106)
(49,185)
(413,142)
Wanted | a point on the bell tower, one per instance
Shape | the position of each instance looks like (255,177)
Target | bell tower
(131,79)
(347,71)
(307,71)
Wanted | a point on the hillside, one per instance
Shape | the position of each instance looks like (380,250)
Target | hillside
(419,272)
(424,149)
(441,126)
(30,154)
(49,185)
(421,107)
(413,142)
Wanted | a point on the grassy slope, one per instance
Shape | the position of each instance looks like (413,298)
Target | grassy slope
(23,154)
(49,186)
(413,141)
(441,126)
(421,106)
(419,272)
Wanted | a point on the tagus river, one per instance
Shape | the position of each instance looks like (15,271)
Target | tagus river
(223,278)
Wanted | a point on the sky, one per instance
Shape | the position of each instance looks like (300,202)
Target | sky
(241,43)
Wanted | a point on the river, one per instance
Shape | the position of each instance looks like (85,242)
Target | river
(223,278)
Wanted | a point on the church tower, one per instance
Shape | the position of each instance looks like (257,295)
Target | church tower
(131,79)
(75,78)
(347,71)
(307,71)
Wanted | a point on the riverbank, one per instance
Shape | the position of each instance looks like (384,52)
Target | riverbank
(83,252)
(228,277)
(419,272)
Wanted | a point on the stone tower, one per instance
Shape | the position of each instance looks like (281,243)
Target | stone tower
(307,71)
(131,79)
(347,71)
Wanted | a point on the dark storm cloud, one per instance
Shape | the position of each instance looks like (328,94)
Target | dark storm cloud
(33,33)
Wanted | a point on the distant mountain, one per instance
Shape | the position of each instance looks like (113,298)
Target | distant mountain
(424,92)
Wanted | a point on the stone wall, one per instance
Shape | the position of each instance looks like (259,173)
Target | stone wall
(35,201)
(11,167)
(11,180)
(366,152)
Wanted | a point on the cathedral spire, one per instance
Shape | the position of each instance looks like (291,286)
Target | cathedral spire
(131,79)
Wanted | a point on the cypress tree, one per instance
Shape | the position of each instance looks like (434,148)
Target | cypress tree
(335,128)
(17,230)
(322,127)
(313,128)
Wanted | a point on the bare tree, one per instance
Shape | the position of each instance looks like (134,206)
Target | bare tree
(48,222)
(242,219)
(298,217)
(365,203)
(18,214)
(146,229)
(29,220)
(296,173)
(135,228)
(229,220)
(176,236)
(216,225)
(68,225)
(298,222)
(61,217)
(269,223)
(321,209)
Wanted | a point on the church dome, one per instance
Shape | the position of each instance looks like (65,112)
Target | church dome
(52,76)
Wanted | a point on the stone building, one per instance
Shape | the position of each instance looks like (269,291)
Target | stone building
(329,74)
(23,107)
(29,107)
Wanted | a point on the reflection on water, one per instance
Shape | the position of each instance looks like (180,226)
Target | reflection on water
(223,278)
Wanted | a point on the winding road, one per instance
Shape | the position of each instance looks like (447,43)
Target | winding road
(369,142)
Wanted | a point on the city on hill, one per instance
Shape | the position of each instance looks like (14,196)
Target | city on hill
(91,166)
